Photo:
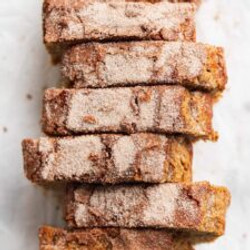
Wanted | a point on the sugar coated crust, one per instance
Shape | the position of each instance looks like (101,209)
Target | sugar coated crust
(197,207)
(161,109)
(108,158)
(68,22)
(194,65)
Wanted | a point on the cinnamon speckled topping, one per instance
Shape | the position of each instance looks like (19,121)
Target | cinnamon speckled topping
(99,20)
(197,207)
(110,238)
(108,159)
(70,22)
(195,65)
(162,109)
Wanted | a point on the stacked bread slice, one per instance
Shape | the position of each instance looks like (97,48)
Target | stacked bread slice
(140,91)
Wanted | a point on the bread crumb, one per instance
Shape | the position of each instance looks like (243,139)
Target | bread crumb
(217,17)
(29,97)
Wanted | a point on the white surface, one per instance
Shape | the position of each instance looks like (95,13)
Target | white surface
(25,69)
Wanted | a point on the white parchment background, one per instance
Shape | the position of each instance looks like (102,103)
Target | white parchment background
(25,71)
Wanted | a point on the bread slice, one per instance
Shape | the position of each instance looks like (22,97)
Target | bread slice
(161,109)
(110,238)
(108,159)
(73,21)
(198,207)
(194,65)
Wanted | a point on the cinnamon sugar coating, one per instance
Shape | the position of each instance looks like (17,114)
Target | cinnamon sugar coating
(194,65)
(110,238)
(197,207)
(161,109)
(73,21)
(108,159)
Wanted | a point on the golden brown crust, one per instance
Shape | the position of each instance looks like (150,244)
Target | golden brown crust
(71,22)
(197,208)
(110,238)
(32,158)
(194,65)
(108,159)
(215,71)
(161,109)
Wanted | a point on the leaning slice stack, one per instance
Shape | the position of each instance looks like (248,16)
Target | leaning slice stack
(140,91)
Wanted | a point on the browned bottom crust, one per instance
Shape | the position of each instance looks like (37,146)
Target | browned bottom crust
(108,158)
(110,238)
(161,109)
(198,208)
